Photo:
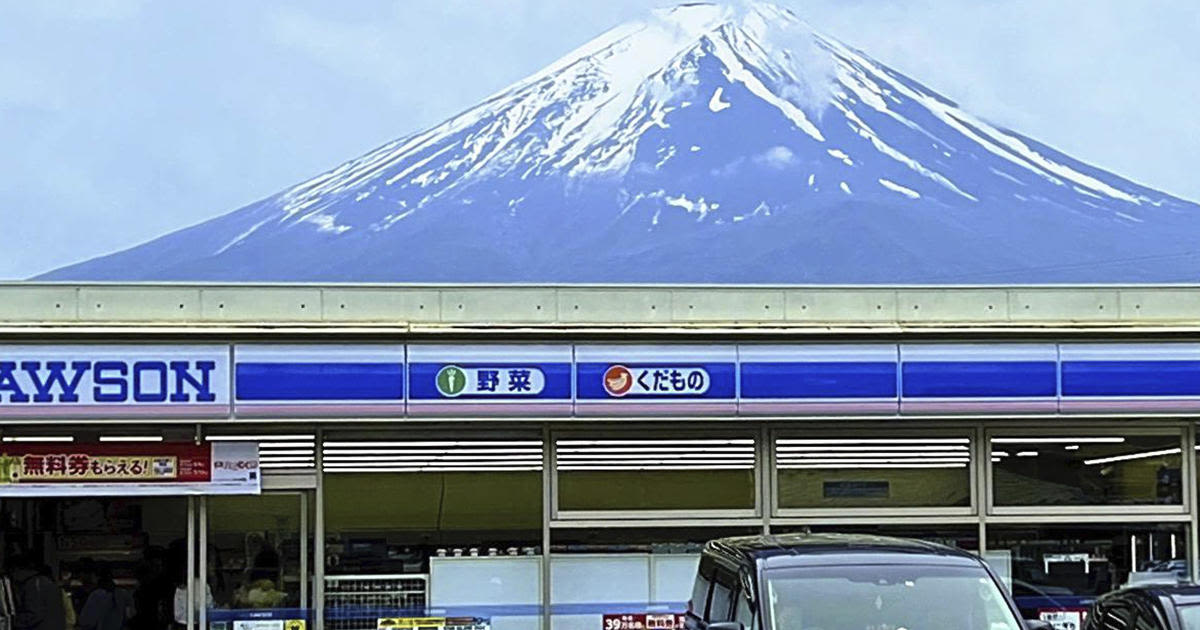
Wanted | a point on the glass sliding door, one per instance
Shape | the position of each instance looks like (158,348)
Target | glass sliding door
(258,559)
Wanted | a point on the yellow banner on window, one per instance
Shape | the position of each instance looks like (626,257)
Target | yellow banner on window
(35,467)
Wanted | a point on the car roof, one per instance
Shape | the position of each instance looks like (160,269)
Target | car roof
(807,549)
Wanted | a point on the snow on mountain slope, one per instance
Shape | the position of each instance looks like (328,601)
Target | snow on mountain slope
(703,144)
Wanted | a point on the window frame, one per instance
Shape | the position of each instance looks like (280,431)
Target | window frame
(751,515)
(833,514)
(724,579)
(1100,429)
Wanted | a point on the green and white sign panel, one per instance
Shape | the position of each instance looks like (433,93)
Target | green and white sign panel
(493,379)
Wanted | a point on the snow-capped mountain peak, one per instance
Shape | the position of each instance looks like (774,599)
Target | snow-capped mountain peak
(706,142)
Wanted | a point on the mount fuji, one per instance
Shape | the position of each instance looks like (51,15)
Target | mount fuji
(702,144)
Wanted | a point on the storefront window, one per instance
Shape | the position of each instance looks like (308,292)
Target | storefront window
(1087,470)
(600,574)
(1062,569)
(414,524)
(873,472)
(655,474)
(139,543)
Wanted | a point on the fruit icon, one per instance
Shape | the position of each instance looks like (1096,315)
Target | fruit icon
(618,380)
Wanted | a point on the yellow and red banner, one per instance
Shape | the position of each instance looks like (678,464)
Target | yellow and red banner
(58,469)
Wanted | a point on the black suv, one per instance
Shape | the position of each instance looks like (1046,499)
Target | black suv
(1147,608)
(846,582)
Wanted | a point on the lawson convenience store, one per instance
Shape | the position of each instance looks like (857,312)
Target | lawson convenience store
(525,474)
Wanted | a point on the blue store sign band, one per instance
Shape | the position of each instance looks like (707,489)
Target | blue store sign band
(396,380)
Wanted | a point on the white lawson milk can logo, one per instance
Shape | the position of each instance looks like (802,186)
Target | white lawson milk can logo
(454,381)
(620,381)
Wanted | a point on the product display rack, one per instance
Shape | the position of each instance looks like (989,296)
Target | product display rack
(358,602)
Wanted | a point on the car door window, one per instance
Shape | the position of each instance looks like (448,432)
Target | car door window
(699,604)
(1190,616)
(743,609)
(721,605)
(743,613)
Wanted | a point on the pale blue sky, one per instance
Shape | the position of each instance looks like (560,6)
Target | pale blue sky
(124,119)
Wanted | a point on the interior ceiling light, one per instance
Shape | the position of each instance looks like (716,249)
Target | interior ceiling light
(39,438)
(1132,456)
(1058,440)
(131,438)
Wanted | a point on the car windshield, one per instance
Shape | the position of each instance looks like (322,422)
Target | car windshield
(887,597)
(1190,616)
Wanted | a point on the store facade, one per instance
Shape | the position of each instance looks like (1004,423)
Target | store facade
(566,478)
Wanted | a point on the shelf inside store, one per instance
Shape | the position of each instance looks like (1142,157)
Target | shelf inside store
(102,553)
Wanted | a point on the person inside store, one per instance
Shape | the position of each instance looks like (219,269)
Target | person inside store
(180,601)
(106,606)
(149,596)
(68,603)
(38,601)
(261,589)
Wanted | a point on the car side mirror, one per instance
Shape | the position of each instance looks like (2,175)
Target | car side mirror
(731,625)
(1038,624)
